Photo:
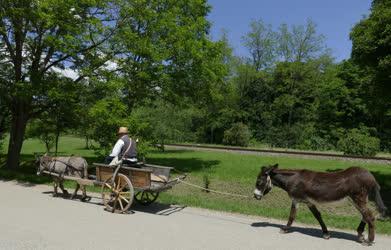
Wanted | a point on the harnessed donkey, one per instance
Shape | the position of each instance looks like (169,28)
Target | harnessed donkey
(309,187)
(70,166)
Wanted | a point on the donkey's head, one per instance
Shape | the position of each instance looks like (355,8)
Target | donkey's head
(264,182)
(42,162)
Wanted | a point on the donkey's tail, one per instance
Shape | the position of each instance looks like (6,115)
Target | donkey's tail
(379,202)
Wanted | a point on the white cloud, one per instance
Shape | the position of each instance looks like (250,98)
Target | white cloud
(70,73)
(110,65)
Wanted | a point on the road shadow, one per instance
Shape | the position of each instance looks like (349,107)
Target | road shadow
(20,183)
(95,199)
(157,208)
(313,232)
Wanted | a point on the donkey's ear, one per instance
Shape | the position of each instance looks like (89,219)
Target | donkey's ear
(275,166)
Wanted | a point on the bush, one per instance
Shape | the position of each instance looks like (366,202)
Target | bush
(238,135)
(359,142)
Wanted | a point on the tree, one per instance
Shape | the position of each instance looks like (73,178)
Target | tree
(260,41)
(63,106)
(301,43)
(4,115)
(164,50)
(44,130)
(45,36)
(164,122)
(371,50)
(5,77)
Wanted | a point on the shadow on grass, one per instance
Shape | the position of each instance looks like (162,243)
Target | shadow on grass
(26,172)
(384,180)
(185,164)
(174,151)
(309,231)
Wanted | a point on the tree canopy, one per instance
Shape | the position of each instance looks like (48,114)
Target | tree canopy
(90,66)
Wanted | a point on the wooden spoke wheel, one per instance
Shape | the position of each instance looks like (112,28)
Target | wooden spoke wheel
(117,195)
(145,198)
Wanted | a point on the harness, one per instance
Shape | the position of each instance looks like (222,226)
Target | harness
(51,165)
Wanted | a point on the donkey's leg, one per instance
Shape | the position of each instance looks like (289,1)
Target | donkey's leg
(292,217)
(84,197)
(360,231)
(360,202)
(55,187)
(61,184)
(75,192)
(318,216)
(370,219)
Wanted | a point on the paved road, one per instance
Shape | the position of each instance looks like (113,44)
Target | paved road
(30,218)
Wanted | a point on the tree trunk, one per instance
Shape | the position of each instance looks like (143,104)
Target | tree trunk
(47,145)
(18,128)
(56,141)
(87,142)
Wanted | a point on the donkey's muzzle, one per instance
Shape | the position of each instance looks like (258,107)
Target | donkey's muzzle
(257,197)
(257,194)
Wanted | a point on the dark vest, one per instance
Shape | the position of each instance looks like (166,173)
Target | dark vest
(132,152)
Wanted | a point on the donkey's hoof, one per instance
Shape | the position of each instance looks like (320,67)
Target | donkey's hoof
(85,198)
(367,243)
(284,230)
(55,194)
(326,236)
(65,193)
(361,239)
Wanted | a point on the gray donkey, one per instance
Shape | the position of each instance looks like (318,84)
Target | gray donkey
(71,166)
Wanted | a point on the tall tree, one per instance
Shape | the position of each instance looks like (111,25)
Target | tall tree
(260,41)
(43,36)
(371,50)
(301,43)
(164,50)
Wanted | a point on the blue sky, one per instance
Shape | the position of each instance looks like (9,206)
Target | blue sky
(334,19)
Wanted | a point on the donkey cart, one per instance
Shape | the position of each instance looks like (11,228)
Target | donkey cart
(123,184)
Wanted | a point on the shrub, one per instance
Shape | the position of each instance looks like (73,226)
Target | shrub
(316,143)
(359,142)
(238,135)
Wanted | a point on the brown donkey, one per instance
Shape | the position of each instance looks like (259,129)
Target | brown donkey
(309,187)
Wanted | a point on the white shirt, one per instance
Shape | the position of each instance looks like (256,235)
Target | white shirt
(117,147)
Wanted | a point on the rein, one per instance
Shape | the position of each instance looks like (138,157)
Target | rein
(213,191)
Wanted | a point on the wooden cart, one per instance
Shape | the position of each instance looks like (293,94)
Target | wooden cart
(123,184)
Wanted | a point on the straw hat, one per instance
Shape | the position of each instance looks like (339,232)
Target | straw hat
(123,130)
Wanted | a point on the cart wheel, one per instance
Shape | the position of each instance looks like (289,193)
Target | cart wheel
(118,195)
(145,198)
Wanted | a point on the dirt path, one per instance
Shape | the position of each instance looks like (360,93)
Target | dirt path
(30,218)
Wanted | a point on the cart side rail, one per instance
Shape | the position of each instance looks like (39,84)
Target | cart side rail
(81,181)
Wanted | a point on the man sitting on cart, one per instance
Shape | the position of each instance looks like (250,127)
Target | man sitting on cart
(125,149)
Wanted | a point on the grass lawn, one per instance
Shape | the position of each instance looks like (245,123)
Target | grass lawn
(230,173)
(268,147)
